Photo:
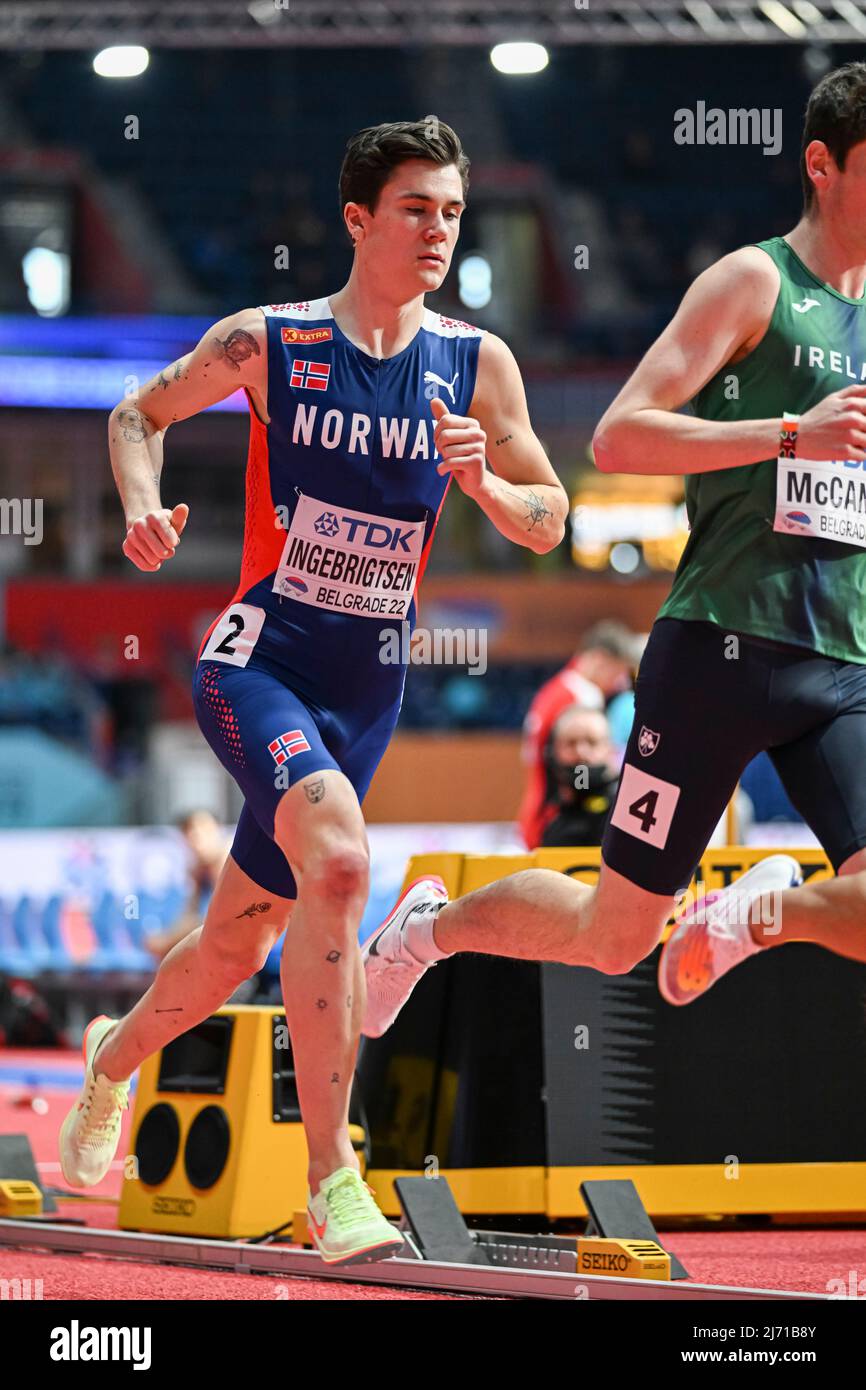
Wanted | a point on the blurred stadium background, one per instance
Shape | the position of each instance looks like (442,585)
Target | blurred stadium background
(135,211)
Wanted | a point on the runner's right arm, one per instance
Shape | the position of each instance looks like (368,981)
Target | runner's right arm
(232,353)
(726,311)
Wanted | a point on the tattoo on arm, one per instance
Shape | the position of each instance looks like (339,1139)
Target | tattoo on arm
(321,1003)
(132,426)
(335,1077)
(253,910)
(333,956)
(236,348)
(314,791)
(537,508)
(505,438)
(165,381)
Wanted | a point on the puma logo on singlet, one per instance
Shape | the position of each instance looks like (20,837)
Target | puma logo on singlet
(449,385)
(806,305)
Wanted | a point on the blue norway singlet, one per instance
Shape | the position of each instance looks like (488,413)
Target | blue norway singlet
(342,499)
(347,467)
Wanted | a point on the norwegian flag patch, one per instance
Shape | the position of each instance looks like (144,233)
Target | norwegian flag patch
(312,376)
(286,745)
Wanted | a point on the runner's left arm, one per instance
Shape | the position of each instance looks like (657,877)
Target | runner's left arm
(519,491)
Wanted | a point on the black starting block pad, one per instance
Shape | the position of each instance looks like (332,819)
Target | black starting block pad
(17,1164)
(435,1223)
(616,1211)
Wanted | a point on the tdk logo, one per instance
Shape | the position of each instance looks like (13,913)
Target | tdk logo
(379,536)
(326,525)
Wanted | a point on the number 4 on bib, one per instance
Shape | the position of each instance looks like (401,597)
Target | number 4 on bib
(645,806)
(644,809)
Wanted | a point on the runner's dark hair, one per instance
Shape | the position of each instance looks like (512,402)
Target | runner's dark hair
(836,114)
(374,153)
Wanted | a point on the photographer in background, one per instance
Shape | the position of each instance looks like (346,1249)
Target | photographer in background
(581,777)
(601,669)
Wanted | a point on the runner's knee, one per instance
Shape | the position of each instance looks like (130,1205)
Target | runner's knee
(619,957)
(236,945)
(618,941)
(340,868)
(236,957)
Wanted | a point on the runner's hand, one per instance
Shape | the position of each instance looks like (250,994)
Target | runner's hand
(154,537)
(462,443)
(835,428)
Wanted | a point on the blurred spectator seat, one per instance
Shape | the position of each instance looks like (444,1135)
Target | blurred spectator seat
(43,784)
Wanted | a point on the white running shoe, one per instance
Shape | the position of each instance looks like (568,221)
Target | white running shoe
(392,972)
(345,1224)
(91,1131)
(713,936)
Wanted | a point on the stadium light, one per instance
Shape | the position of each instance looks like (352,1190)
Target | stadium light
(265,11)
(522,57)
(126,60)
(46,274)
(475,276)
(624,557)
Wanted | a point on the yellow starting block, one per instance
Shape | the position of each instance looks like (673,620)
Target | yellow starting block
(625,1259)
(19,1197)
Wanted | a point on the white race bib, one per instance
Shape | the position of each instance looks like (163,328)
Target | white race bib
(235,635)
(645,806)
(350,561)
(823,498)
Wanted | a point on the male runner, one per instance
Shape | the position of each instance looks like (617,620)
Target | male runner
(362,407)
(761,643)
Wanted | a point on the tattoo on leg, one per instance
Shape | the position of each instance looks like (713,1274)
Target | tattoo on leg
(333,956)
(314,791)
(321,1003)
(237,348)
(253,910)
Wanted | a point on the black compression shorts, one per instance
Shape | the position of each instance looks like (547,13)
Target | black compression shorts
(707,701)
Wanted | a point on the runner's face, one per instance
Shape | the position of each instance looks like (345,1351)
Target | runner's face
(416,224)
(851,186)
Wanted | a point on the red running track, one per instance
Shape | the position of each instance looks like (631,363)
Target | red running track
(790,1259)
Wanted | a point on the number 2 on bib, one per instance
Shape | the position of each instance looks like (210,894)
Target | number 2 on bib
(235,635)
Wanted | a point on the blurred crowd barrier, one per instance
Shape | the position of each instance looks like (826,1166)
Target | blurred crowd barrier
(79,903)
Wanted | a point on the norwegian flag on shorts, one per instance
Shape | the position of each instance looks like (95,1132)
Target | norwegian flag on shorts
(287,745)
(312,375)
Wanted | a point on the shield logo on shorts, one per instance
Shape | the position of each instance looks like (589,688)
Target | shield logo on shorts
(647,741)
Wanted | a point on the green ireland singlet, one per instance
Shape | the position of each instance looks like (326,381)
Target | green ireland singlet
(797,583)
